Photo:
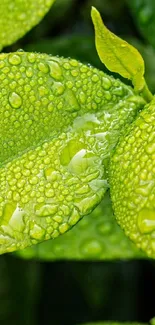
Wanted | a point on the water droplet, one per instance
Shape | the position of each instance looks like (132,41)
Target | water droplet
(43,67)
(69,84)
(74,63)
(55,70)
(83,190)
(50,107)
(107,95)
(69,151)
(20,50)
(82,97)
(31,57)
(57,218)
(74,218)
(55,234)
(80,162)
(146,221)
(49,193)
(46,210)
(118,91)
(66,66)
(106,83)
(63,228)
(15,100)
(150,148)
(86,205)
(86,122)
(14,59)
(74,73)
(29,72)
(43,91)
(145,189)
(95,78)
(72,104)
(58,88)
(2,64)
(37,232)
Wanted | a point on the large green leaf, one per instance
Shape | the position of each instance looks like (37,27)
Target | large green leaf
(96,237)
(86,52)
(17,17)
(69,47)
(59,121)
(132,180)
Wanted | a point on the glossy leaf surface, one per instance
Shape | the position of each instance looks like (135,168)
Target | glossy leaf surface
(148,54)
(17,17)
(134,196)
(96,237)
(59,122)
(117,55)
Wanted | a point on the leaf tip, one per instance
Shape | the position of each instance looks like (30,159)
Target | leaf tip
(94,13)
(93,9)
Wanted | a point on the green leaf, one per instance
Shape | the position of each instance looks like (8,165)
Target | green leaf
(19,16)
(59,122)
(86,52)
(117,55)
(133,197)
(69,47)
(97,237)
(148,53)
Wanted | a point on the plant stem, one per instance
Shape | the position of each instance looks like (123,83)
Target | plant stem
(146,93)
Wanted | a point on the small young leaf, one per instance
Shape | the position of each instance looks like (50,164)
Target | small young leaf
(17,17)
(148,54)
(117,55)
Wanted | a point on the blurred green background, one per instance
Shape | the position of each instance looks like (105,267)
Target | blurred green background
(69,292)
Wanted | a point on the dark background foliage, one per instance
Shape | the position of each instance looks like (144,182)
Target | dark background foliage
(68,292)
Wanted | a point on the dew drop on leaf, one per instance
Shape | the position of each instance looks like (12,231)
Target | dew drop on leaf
(15,100)
(55,70)
(146,221)
(14,59)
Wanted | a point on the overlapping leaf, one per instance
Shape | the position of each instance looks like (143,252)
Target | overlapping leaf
(96,237)
(59,121)
(17,17)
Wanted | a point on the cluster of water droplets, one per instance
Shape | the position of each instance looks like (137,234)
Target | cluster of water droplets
(134,196)
(16,20)
(58,125)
